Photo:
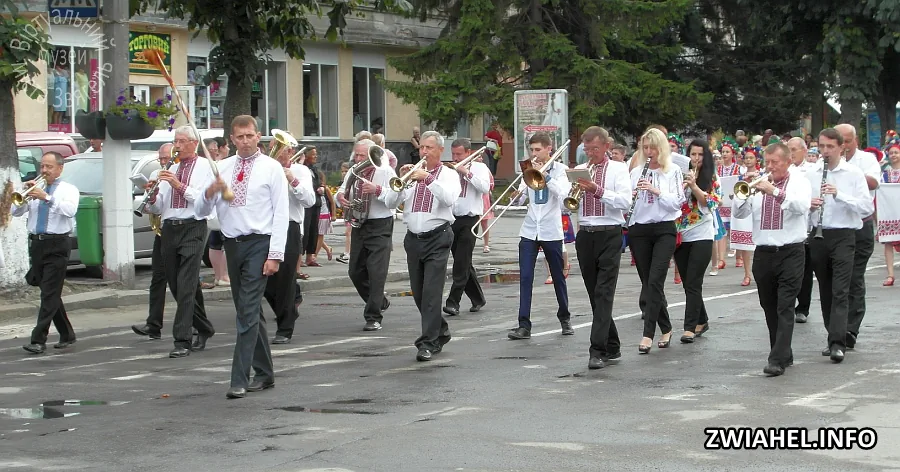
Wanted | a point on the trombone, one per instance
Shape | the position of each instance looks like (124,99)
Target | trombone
(477,225)
(573,201)
(399,183)
(534,178)
(468,160)
(20,198)
(743,190)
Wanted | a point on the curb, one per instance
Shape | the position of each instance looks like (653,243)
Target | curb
(109,298)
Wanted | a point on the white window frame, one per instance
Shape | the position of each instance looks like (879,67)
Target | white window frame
(368,74)
(318,69)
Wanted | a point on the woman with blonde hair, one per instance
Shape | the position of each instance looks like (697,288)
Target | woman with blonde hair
(652,234)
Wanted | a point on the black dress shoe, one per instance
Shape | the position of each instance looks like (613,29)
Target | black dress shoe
(236,393)
(423,355)
(280,340)
(200,342)
(595,363)
(258,385)
(800,317)
(372,326)
(826,352)
(146,330)
(63,344)
(179,352)
(611,357)
(850,340)
(567,329)
(476,308)
(451,311)
(385,303)
(773,370)
(35,348)
(519,333)
(837,354)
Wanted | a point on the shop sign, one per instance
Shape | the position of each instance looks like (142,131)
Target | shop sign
(72,9)
(138,41)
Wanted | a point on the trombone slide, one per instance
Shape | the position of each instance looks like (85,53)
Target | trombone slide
(477,225)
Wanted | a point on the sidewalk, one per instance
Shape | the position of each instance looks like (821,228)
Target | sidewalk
(83,293)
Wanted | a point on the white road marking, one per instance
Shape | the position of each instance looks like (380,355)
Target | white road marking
(562,446)
(297,350)
(132,377)
(831,400)
(303,365)
(416,366)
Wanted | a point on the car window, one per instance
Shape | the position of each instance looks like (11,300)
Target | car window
(86,175)
(29,162)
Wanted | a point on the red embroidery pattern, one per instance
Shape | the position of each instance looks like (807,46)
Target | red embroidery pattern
(725,212)
(463,185)
(742,237)
(727,170)
(366,174)
(889,228)
(772,214)
(593,206)
(185,168)
(424,199)
(894,176)
(240,179)
(652,177)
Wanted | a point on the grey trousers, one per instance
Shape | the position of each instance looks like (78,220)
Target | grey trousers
(182,250)
(865,245)
(246,258)
(426,257)
(370,256)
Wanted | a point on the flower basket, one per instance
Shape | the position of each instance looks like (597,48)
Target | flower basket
(131,118)
(128,128)
(91,125)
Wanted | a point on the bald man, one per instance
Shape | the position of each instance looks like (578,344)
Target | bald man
(800,166)
(865,237)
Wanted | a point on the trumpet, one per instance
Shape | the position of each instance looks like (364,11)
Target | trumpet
(743,190)
(573,201)
(20,198)
(399,183)
(468,159)
(143,206)
(477,225)
(534,178)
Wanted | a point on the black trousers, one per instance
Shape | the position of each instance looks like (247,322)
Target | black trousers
(370,255)
(832,258)
(599,255)
(865,245)
(652,246)
(692,259)
(49,259)
(779,273)
(158,291)
(426,258)
(311,229)
(182,249)
(281,288)
(465,279)
(804,299)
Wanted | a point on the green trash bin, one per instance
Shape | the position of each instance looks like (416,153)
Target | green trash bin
(87,228)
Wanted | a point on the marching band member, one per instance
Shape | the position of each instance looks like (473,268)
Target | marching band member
(475,181)
(841,202)
(798,149)
(51,212)
(779,210)
(697,227)
(255,226)
(183,239)
(281,288)
(652,233)
(428,213)
(890,176)
(741,236)
(542,228)
(370,252)
(598,243)
(865,236)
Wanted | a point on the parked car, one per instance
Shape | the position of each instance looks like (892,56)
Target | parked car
(30,146)
(85,171)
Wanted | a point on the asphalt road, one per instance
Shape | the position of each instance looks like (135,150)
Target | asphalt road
(347,400)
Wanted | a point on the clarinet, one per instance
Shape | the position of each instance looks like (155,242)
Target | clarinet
(819,234)
(634,194)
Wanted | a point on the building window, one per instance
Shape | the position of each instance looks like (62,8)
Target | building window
(73,85)
(196,75)
(320,100)
(368,100)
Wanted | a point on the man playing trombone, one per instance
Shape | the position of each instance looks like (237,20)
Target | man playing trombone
(542,228)
(475,181)
(606,196)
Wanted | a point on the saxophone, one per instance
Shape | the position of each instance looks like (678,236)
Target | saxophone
(357,211)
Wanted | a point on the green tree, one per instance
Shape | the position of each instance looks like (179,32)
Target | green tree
(598,50)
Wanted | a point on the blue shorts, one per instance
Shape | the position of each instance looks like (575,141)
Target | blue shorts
(215,240)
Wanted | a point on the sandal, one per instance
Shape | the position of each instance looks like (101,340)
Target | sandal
(721,265)
(303,276)
(314,264)
(207,285)
(745,282)
(740,263)
(645,348)
(487,250)
(549,281)
(700,333)
(677,280)
(664,344)
(888,282)
(329,251)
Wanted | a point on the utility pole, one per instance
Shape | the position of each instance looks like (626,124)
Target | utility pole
(118,197)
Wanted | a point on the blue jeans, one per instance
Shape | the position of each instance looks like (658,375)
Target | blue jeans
(528,250)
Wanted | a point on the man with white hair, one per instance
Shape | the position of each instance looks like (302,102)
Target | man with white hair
(391,160)
(865,236)
(183,240)
(372,230)
(800,166)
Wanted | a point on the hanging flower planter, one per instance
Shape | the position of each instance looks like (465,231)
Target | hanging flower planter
(131,118)
(91,125)
(128,128)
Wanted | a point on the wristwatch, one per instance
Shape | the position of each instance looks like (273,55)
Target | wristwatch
(776,193)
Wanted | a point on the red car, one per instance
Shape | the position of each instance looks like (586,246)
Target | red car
(32,145)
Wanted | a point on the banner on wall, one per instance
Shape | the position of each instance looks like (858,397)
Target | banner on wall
(540,110)
(138,41)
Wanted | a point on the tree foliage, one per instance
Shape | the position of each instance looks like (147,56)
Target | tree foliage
(598,50)
(22,45)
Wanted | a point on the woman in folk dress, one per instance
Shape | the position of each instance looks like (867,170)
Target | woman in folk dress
(891,175)
(729,166)
(742,228)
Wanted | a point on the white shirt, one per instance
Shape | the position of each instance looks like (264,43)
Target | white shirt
(682,161)
(63,205)
(473,187)
(385,199)
(868,163)
(543,222)
(852,202)
(781,220)
(260,203)
(300,192)
(665,207)
(429,203)
(196,175)
(803,168)
(613,197)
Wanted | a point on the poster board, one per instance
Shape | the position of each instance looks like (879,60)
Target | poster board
(540,110)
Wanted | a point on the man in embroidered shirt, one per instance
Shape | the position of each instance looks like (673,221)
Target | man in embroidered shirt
(51,211)
(865,236)
(428,213)
(799,164)
(184,238)
(599,240)
(542,228)
(780,211)
(475,181)
(370,253)
(845,200)
(255,226)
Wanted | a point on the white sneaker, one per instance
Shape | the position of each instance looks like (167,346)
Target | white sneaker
(222,283)
(714,272)
(487,249)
